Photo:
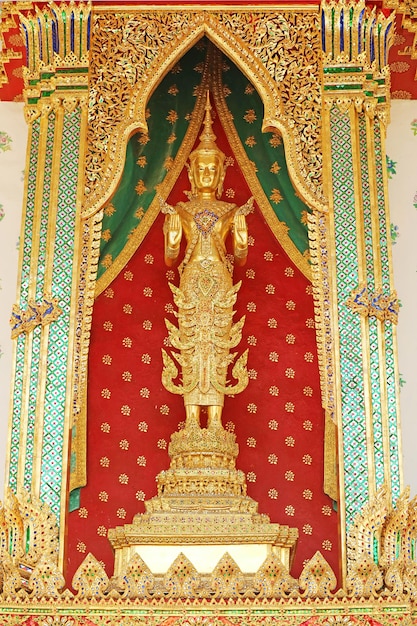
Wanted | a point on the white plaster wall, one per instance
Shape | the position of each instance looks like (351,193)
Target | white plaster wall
(402,160)
(402,152)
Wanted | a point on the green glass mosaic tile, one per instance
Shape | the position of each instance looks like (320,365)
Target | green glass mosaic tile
(30,208)
(347,87)
(17,411)
(72,88)
(348,69)
(366,203)
(33,402)
(352,389)
(46,199)
(72,70)
(383,226)
(19,365)
(376,402)
(55,392)
(392,413)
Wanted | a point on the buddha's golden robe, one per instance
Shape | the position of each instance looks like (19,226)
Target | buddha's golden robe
(205,300)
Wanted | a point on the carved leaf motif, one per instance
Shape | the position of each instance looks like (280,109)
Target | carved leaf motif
(366,526)
(182,578)
(394,530)
(227,579)
(90,579)
(410,581)
(394,579)
(12,580)
(28,533)
(365,579)
(273,580)
(46,580)
(136,581)
(317,579)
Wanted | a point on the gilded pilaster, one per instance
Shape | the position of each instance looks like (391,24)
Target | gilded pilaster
(43,321)
(365,307)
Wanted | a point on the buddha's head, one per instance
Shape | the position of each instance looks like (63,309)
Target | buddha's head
(207,170)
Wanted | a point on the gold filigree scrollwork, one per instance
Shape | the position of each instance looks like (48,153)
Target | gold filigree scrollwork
(276,39)
(132,52)
(36,314)
(382,306)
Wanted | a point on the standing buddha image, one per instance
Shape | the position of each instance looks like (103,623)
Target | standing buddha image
(206,294)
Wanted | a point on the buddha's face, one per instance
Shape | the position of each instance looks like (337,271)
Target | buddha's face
(206,172)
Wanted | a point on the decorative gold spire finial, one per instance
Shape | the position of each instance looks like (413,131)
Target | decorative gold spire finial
(207,138)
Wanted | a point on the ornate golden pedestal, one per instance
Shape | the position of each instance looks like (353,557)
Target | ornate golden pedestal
(202,513)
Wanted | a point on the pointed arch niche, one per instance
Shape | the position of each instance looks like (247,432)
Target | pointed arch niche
(141,130)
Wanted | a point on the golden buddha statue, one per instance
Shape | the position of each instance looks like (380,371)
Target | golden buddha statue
(206,293)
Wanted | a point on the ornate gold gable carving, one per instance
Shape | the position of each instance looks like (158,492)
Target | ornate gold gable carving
(132,52)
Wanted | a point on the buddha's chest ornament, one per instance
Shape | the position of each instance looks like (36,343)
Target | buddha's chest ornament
(205,221)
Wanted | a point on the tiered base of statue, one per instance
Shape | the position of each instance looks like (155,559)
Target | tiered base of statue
(202,513)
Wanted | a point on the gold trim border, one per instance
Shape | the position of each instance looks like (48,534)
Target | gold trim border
(244,8)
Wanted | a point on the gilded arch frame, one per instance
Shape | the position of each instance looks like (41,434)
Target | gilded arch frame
(252,57)
(267,61)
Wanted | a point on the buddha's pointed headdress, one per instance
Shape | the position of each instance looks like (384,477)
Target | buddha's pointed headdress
(208,147)
(207,138)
